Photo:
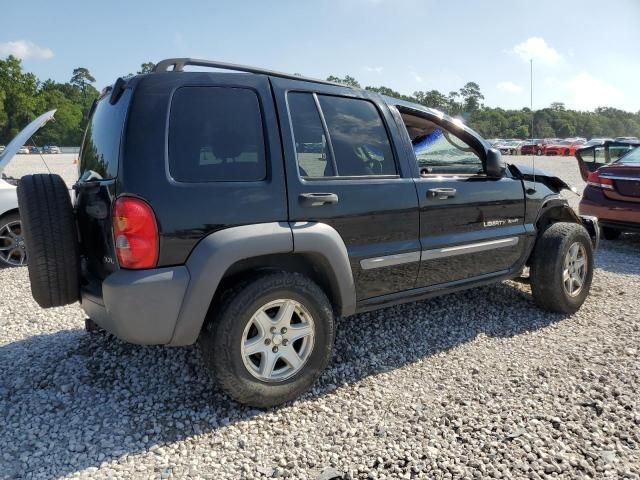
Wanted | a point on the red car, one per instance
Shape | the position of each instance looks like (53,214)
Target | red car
(537,146)
(612,173)
(564,147)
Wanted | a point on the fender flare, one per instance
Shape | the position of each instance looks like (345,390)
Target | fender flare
(219,251)
(556,202)
(323,240)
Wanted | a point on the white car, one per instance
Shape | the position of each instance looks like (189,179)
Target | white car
(13,250)
(23,150)
(52,149)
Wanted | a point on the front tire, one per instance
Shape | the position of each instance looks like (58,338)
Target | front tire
(269,339)
(562,268)
(539,152)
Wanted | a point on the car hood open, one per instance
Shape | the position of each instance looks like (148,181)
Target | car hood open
(21,138)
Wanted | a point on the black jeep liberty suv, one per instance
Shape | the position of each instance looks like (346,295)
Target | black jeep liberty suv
(247,209)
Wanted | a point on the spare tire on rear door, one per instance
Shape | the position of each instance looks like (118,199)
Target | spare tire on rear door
(50,234)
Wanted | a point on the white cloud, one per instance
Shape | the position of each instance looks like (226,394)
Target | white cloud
(509,87)
(374,69)
(25,49)
(536,48)
(587,92)
(417,77)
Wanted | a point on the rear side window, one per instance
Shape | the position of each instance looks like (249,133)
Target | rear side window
(358,137)
(216,135)
(101,146)
(312,150)
(354,134)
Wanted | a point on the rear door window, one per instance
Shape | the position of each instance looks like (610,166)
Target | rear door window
(352,131)
(358,137)
(216,135)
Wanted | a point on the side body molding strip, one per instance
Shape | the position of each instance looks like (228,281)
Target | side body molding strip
(468,248)
(209,261)
(390,260)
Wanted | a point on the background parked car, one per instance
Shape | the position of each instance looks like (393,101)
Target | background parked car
(1,148)
(23,150)
(13,250)
(612,173)
(597,141)
(564,147)
(530,147)
(51,149)
(510,148)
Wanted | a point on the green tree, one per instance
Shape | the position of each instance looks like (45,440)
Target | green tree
(433,99)
(471,97)
(82,78)
(146,67)
(347,80)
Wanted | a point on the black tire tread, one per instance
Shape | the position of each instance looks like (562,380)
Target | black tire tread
(218,357)
(546,285)
(50,235)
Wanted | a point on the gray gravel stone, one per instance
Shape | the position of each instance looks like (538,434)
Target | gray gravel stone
(479,384)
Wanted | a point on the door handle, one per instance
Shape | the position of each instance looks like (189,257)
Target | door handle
(441,193)
(317,199)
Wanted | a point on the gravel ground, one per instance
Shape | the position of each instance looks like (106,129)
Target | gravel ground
(479,384)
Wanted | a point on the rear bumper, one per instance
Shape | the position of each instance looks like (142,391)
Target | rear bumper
(139,306)
(610,212)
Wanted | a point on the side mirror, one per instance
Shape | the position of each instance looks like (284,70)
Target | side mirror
(495,167)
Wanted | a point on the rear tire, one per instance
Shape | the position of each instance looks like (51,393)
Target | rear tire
(265,315)
(560,281)
(49,231)
(539,152)
(611,233)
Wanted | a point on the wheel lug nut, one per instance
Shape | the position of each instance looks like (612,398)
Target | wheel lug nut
(267,341)
(274,349)
(273,329)
(284,342)
(283,330)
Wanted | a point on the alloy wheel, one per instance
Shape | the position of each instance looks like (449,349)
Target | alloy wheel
(278,340)
(574,269)
(12,247)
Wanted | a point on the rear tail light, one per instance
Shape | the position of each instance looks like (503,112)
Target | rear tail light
(135,233)
(595,180)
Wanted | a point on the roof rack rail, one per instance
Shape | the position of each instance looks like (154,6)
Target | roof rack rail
(178,64)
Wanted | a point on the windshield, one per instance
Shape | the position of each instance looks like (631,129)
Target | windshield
(633,157)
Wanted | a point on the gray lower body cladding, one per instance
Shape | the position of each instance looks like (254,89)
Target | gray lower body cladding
(169,305)
(140,306)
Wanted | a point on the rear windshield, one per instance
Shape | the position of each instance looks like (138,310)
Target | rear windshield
(632,157)
(215,135)
(101,146)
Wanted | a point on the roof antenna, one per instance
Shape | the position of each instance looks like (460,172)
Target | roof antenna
(533,152)
(41,157)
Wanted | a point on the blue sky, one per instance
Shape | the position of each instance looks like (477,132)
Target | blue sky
(585,52)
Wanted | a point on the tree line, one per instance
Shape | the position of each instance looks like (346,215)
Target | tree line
(23,97)
(551,122)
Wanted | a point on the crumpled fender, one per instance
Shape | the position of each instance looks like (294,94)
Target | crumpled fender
(528,173)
